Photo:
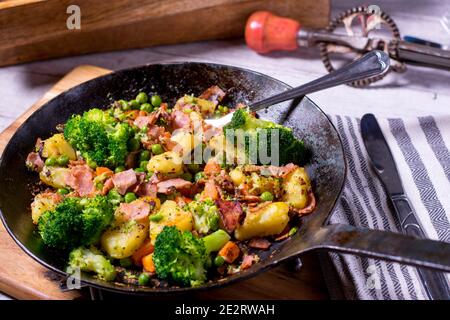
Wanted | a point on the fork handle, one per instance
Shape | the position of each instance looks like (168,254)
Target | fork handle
(371,64)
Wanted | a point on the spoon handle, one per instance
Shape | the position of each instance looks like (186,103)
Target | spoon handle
(371,64)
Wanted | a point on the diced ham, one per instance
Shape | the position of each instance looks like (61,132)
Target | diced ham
(144,121)
(247,261)
(231,214)
(259,243)
(214,94)
(34,162)
(180,120)
(146,189)
(168,186)
(80,178)
(135,210)
(109,184)
(274,171)
(123,180)
(130,160)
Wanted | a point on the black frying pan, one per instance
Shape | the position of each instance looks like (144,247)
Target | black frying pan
(327,168)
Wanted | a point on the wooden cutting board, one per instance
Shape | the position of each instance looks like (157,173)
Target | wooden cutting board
(23,278)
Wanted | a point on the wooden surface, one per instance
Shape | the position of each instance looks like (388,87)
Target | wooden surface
(23,278)
(120,24)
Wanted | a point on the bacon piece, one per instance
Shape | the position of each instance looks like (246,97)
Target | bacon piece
(109,184)
(34,162)
(231,214)
(214,94)
(123,180)
(146,189)
(171,185)
(130,160)
(274,171)
(247,261)
(135,210)
(78,162)
(144,121)
(259,243)
(81,179)
(180,120)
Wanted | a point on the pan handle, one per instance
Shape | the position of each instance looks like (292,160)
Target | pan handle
(384,245)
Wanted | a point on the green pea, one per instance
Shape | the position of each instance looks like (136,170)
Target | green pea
(143,279)
(63,191)
(119,169)
(147,107)
(142,98)
(91,163)
(187,176)
(156,217)
(156,101)
(266,196)
(143,164)
(63,160)
(51,161)
(144,156)
(219,261)
(144,129)
(139,170)
(134,144)
(124,105)
(114,197)
(130,197)
(157,149)
(125,262)
(199,175)
(193,167)
(99,186)
(225,109)
(134,105)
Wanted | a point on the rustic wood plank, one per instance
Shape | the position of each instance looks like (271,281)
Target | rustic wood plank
(23,278)
(120,24)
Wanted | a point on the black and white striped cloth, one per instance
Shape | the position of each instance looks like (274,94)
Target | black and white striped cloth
(420,147)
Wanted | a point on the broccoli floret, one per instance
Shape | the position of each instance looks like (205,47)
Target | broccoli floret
(206,215)
(91,260)
(98,137)
(257,131)
(180,257)
(75,222)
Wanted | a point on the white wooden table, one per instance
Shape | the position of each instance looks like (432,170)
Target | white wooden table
(419,91)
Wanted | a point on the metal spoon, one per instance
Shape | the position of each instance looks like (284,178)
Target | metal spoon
(371,64)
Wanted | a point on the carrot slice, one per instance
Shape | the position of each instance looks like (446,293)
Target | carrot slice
(148,264)
(102,170)
(212,167)
(210,191)
(229,252)
(144,250)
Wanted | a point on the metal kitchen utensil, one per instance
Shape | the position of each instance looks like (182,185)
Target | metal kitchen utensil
(347,37)
(383,162)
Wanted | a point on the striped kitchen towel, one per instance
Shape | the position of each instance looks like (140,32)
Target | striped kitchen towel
(420,147)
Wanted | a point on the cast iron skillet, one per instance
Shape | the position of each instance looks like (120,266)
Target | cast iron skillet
(327,168)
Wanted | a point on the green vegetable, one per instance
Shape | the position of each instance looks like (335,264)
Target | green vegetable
(255,132)
(130,197)
(134,144)
(143,279)
(124,105)
(139,170)
(180,257)
(134,105)
(125,262)
(266,196)
(143,164)
(63,160)
(91,260)
(193,167)
(51,161)
(144,156)
(219,261)
(114,197)
(187,176)
(147,107)
(215,241)
(292,231)
(99,138)
(157,149)
(205,214)
(142,98)
(156,217)
(199,175)
(156,101)
(76,222)
(119,169)
(63,191)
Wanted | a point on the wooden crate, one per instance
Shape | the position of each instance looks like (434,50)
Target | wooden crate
(37,29)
